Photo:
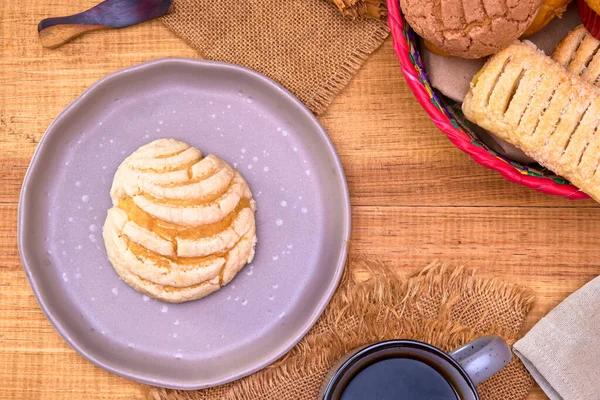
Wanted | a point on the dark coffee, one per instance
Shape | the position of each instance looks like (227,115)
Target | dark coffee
(397,370)
(399,379)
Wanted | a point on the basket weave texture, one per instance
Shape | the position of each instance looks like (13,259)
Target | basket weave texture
(406,48)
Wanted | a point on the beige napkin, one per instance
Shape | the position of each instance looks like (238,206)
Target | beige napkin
(562,352)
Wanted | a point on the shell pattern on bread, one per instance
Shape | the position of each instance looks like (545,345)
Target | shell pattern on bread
(182,225)
(529,100)
(578,53)
(470,28)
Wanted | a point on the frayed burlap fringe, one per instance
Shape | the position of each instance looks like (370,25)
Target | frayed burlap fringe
(376,9)
(308,46)
(442,305)
(322,98)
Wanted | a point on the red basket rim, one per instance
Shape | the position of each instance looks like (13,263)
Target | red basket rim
(460,139)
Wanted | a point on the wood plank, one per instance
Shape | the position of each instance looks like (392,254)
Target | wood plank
(522,244)
(415,196)
(35,85)
(392,153)
(35,362)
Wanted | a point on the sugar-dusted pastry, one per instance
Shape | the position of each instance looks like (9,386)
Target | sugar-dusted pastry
(470,28)
(182,225)
(529,100)
(578,53)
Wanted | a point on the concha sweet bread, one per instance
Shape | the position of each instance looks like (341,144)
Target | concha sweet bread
(470,28)
(532,102)
(182,225)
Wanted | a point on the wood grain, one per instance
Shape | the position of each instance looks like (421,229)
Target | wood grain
(415,197)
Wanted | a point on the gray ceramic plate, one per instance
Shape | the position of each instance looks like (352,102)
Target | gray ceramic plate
(303,223)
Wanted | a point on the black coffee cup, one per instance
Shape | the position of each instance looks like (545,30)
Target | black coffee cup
(412,370)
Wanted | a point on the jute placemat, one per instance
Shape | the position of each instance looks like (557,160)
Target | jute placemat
(441,305)
(308,46)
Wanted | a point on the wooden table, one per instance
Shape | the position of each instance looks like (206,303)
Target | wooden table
(415,197)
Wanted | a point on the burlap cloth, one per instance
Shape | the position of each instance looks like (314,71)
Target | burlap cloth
(308,46)
(444,306)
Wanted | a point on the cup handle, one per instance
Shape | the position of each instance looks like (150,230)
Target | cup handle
(483,357)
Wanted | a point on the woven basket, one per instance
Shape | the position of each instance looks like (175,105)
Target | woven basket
(450,120)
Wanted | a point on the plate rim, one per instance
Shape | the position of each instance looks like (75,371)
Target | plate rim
(63,331)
